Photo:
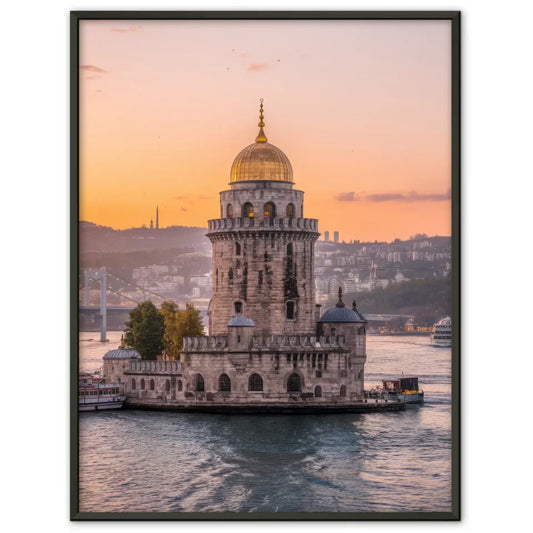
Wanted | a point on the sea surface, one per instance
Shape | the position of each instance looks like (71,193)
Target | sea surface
(382,462)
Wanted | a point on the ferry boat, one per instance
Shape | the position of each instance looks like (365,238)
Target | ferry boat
(404,389)
(442,333)
(96,395)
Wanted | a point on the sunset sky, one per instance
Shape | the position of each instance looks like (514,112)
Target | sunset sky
(361,108)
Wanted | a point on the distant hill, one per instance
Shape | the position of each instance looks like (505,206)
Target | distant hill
(94,238)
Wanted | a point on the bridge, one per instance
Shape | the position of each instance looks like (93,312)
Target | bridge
(92,316)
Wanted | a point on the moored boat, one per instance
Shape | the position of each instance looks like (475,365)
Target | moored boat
(404,389)
(96,395)
(442,333)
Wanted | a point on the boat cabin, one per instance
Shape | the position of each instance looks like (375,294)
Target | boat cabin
(403,384)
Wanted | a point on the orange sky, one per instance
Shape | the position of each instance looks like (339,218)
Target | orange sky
(361,108)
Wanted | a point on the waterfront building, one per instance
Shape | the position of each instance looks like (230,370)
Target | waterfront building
(268,342)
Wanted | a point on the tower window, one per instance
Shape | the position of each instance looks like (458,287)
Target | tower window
(318,391)
(290,249)
(229,211)
(230,273)
(343,391)
(290,310)
(180,385)
(248,210)
(142,384)
(167,385)
(152,384)
(238,307)
(133,384)
(237,249)
(269,209)
(290,210)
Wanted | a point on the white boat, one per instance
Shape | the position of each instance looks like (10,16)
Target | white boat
(404,389)
(442,333)
(96,395)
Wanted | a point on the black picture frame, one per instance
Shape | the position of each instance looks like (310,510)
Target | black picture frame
(455,18)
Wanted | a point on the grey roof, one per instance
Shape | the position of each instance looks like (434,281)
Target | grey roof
(240,320)
(342,314)
(122,354)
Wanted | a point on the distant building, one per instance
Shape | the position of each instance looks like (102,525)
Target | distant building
(335,236)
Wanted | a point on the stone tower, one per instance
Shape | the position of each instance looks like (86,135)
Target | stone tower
(263,247)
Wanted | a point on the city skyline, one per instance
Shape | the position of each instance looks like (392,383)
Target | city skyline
(361,108)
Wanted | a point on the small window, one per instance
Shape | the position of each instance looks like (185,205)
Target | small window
(237,249)
(230,273)
(318,391)
(167,385)
(248,210)
(133,384)
(142,384)
(269,210)
(224,383)
(294,383)
(290,249)
(180,385)
(319,373)
(343,391)
(290,210)
(200,387)
(152,384)
(255,383)
(229,211)
(238,307)
(290,310)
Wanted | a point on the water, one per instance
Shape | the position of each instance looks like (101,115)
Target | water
(382,462)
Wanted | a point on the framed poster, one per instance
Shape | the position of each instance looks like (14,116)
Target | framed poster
(265,265)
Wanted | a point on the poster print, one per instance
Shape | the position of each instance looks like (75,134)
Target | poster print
(265,208)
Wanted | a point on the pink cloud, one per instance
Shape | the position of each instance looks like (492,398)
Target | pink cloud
(92,68)
(254,67)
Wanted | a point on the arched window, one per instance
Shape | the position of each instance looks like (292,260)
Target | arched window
(224,383)
(133,384)
(229,211)
(180,385)
(318,391)
(269,209)
(255,383)
(290,249)
(343,391)
(230,273)
(142,384)
(290,310)
(199,382)
(294,383)
(238,307)
(237,249)
(152,384)
(167,385)
(290,210)
(248,210)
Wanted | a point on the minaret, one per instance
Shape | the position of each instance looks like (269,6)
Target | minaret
(156,217)
(263,248)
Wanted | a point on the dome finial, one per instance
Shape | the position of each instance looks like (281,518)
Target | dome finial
(340,303)
(261,137)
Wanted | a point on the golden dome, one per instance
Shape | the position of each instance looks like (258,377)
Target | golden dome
(261,160)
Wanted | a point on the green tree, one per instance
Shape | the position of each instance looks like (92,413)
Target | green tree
(145,330)
(190,324)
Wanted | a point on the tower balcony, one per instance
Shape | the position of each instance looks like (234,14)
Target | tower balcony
(296,224)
